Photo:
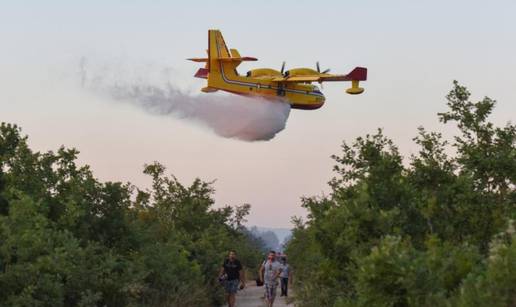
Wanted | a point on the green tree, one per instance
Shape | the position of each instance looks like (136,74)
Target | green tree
(421,233)
(67,239)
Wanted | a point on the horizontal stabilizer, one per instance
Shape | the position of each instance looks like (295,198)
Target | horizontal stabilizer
(239,59)
(198,59)
(242,59)
(208,89)
(235,53)
(202,73)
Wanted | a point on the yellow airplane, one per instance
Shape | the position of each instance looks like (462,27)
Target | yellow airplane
(293,86)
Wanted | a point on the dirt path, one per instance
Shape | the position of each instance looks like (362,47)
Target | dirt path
(252,296)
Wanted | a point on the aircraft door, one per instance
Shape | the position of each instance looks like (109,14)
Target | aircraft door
(281,90)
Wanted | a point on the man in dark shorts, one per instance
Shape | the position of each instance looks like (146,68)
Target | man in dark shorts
(285,276)
(232,276)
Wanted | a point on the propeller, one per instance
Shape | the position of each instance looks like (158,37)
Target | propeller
(319,69)
(283,67)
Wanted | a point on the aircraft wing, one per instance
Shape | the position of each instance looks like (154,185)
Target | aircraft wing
(306,78)
(357,74)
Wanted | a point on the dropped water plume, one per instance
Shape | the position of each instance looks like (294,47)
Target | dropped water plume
(151,88)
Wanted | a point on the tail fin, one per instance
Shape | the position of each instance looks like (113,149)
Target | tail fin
(218,51)
(216,46)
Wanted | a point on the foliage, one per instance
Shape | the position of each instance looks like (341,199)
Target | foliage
(67,239)
(433,231)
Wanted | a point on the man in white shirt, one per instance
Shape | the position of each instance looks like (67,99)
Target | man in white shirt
(269,273)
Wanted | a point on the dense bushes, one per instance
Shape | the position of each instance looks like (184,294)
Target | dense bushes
(67,239)
(434,231)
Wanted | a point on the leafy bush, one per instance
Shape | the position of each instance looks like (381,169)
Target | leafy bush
(421,233)
(67,239)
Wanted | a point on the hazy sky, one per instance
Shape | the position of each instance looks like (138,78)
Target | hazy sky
(413,50)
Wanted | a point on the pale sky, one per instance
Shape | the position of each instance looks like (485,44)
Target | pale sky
(413,50)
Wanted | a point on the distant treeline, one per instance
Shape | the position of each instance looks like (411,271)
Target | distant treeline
(268,237)
(437,229)
(67,239)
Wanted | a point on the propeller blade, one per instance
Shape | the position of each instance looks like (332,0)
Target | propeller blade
(319,68)
(282,67)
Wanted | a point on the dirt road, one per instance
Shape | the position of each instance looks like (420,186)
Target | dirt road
(252,296)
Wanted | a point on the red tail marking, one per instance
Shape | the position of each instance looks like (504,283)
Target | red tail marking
(202,73)
(359,74)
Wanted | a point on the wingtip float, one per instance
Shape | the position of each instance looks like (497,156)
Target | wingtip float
(293,86)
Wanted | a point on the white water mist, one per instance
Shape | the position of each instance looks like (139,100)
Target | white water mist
(150,88)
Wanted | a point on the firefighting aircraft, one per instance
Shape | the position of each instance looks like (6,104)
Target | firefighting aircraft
(293,86)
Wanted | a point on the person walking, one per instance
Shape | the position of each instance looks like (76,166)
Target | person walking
(270,270)
(285,276)
(232,276)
